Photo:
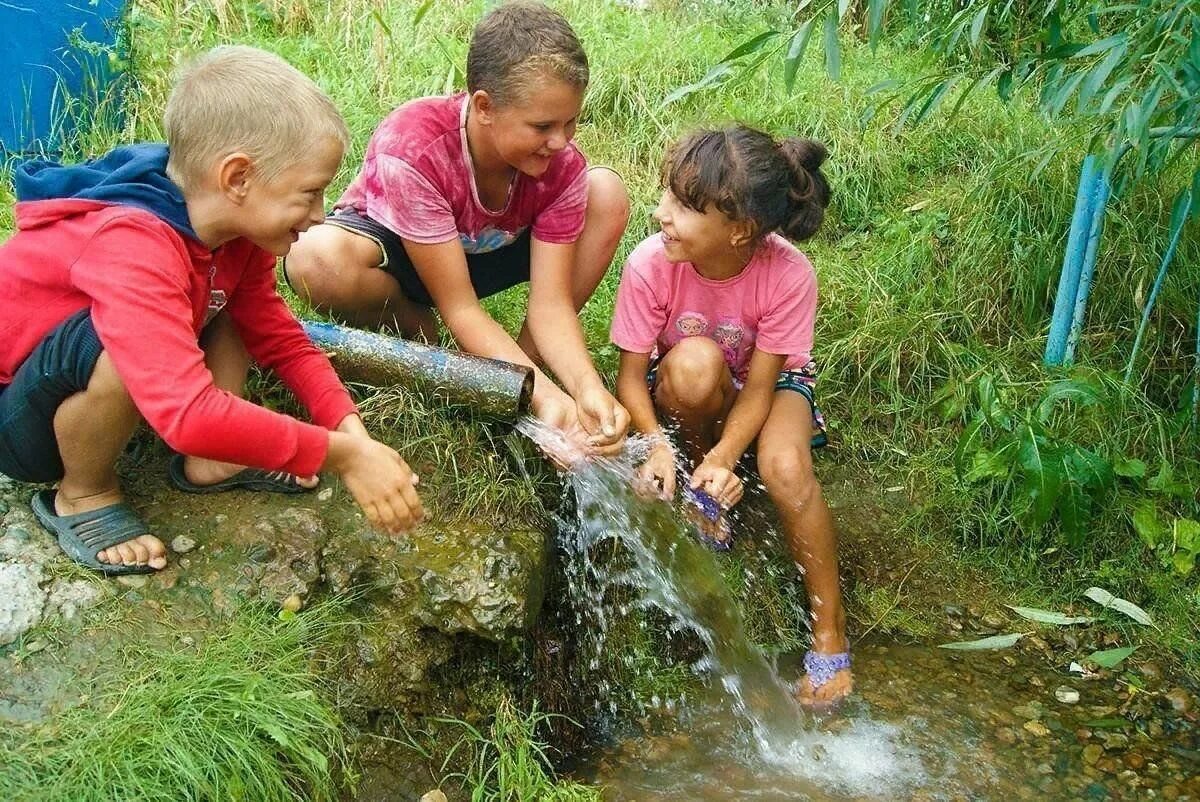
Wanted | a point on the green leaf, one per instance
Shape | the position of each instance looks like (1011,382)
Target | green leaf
(843,7)
(1106,599)
(751,45)
(379,20)
(1004,85)
(935,98)
(1183,562)
(1130,468)
(1042,480)
(1111,658)
(977,25)
(1101,46)
(875,13)
(1098,75)
(833,52)
(421,12)
(994,642)
(1074,510)
(1049,616)
(715,75)
(990,464)
(1187,535)
(795,52)
(1107,723)
(968,443)
(1147,525)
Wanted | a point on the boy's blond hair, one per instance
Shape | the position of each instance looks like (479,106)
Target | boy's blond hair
(241,99)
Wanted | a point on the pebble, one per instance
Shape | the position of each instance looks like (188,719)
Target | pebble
(135,581)
(1116,741)
(1134,760)
(1006,736)
(292,604)
(1181,700)
(325,495)
(182,544)
(1092,753)
(1066,694)
(433,796)
(1036,728)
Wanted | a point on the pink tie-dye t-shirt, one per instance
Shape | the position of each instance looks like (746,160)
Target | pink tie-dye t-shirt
(417,179)
(770,305)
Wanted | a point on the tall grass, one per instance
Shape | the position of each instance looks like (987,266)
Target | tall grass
(241,716)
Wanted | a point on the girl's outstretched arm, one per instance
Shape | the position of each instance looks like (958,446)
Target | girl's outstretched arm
(658,471)
(744,422)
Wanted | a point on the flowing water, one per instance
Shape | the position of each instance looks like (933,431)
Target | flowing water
(923,723)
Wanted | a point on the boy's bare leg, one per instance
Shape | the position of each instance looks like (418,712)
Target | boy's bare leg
(229,363)
(785,462)
(336,271)
(92,428)
(603,224)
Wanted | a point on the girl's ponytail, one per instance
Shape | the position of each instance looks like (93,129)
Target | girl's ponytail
(809,193)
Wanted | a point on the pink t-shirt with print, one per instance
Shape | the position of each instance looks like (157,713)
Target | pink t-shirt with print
(770,305)
(417,179)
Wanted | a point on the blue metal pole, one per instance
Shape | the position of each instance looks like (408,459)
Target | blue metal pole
(1068,279)
(1102,188)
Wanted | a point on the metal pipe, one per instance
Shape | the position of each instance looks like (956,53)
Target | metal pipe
(490,387)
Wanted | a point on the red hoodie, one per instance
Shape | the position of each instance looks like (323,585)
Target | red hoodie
(148,289)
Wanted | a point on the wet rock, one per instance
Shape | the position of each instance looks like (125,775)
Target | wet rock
(182,544)
(1169,792)
(1180,700)
(21,545)
(1134,760)
(292,603)
(1083,735)
(68,599)
(324,495)
(21,600)
(1092,753)
(433,796)
(283,554)
(1066,694)
(1036,728)
(1116,741)
(135,581)
(1006,736)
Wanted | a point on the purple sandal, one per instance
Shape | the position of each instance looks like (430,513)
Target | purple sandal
(821,668)
(710,508)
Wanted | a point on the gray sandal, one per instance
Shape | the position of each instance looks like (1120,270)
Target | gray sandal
(253,479)
(83,536)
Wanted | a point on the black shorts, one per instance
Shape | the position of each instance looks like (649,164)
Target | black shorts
(60,366)
(491,272)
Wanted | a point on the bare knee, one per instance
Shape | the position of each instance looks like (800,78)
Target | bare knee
(324,266)
(693,373)
(608,203)
(788,475)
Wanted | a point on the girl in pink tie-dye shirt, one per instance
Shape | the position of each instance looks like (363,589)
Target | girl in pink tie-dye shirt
(714,320)
(463,196)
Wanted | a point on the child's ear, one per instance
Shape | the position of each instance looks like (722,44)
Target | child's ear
(483,106)
(234,174)
(742,234)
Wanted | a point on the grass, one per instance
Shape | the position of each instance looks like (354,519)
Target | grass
(240,716)
(938,265)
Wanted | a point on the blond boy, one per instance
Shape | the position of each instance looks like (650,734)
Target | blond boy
(141,285)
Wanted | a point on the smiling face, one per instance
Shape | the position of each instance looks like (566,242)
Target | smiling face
(275,212)
(701,238)
(526,134)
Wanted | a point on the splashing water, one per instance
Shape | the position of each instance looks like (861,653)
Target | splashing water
(620,545)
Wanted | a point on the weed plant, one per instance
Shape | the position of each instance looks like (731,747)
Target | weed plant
(239,716)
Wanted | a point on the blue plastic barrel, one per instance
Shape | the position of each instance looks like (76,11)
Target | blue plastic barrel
(58,69)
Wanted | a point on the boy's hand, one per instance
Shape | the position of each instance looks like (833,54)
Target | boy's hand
(656,476)
(604,420)
(719,481)
(378,479)
(557,411)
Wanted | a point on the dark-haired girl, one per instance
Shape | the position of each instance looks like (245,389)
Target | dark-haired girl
(714,319)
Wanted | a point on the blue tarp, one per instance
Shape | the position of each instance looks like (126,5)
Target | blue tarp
(58,64)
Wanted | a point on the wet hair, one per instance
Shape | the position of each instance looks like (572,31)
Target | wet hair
(518,44)
(237,98)
(747,175)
